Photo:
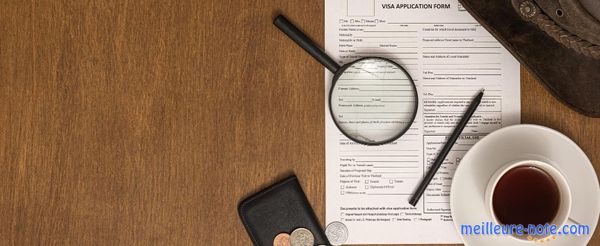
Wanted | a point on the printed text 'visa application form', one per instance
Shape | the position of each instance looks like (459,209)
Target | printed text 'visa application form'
(451,57)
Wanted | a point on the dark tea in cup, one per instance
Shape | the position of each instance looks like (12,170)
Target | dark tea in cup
(528,192)
(526,195)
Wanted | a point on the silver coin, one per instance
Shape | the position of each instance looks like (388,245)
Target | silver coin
(302,237)
(337,233)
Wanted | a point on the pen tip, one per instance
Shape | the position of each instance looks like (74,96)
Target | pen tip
(482,90)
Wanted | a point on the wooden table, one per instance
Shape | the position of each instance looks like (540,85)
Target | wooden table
(145,122)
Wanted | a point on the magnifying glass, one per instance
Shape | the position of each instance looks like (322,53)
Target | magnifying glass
(372,100)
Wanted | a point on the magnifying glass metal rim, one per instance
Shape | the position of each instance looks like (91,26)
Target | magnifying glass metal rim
(339,73)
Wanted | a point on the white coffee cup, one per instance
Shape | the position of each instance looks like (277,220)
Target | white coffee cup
(564,208)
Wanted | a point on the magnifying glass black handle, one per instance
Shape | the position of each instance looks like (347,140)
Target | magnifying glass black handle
(305,42)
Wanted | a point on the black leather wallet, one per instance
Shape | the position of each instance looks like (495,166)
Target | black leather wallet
(282,207)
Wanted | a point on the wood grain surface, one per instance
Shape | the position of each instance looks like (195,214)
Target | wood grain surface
(145,122)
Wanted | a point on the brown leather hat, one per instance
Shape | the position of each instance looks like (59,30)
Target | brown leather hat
(557,40)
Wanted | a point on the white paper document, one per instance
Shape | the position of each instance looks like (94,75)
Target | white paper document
(451,58)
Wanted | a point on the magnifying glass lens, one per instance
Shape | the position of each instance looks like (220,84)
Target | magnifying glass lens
(373,101)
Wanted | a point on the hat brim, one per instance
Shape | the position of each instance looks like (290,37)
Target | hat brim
(570,76)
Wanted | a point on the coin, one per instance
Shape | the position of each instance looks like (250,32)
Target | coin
(302,237)
(282,239)
(337,233)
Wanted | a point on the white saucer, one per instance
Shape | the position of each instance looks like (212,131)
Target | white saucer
(516,143)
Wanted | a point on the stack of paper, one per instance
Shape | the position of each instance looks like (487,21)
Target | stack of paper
(451,57)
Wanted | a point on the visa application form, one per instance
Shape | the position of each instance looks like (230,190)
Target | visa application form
(450,57)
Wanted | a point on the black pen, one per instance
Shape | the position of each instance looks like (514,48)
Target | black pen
(440,159)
